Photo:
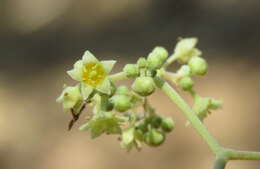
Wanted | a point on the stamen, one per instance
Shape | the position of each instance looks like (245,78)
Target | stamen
(93,74)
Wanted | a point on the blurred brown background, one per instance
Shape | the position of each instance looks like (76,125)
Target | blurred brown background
(40,40)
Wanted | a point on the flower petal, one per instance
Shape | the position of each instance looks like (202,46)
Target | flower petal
(70,97)
(86,90)
(88,57)
(186,44)
(104,87)
(108,65)
(77,71)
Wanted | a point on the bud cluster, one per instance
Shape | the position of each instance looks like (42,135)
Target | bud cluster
(150,129)
(192,63)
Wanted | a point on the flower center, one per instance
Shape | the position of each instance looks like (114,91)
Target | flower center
(93,74)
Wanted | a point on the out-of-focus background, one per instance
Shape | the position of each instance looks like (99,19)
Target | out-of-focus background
(40,40)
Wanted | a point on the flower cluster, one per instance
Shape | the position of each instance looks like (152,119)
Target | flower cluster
(116,110)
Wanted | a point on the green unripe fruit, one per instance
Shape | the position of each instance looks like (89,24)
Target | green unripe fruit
(157,58)
(121,102)
(186,83)
(154,137)
(123,90)
(198,66)
(131,70)
(167,124)
(144,86)
(142,63)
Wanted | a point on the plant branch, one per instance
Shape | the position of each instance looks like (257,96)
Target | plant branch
(197,124)
(220,163)
(241,155)
(223,154)
(117,76)
(169,61)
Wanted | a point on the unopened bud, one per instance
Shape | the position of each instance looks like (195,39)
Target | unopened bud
(131,70)
(144,86)
(167,124)
(198,66)
(186,83)
(154,137)
(157,58)
(142,63)
(121,102)
(123,90)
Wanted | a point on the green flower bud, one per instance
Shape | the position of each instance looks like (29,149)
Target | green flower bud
(198,66)
(186,83)
(142,63)
(157,58)
(131,70)
(167,124)
(144,86)
(142,126)
(154,137)
(121,102)
(156,121)
(123,90)
(161,52)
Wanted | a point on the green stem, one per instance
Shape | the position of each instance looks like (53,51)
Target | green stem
(223,154)
(220,163)
(169,61)
(117,76)
(241,155)
(197,124)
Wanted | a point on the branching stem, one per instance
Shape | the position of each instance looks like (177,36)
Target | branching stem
(223,155)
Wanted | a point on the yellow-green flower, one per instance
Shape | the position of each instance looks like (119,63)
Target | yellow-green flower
(92,74)
(185,49)
(71,98)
